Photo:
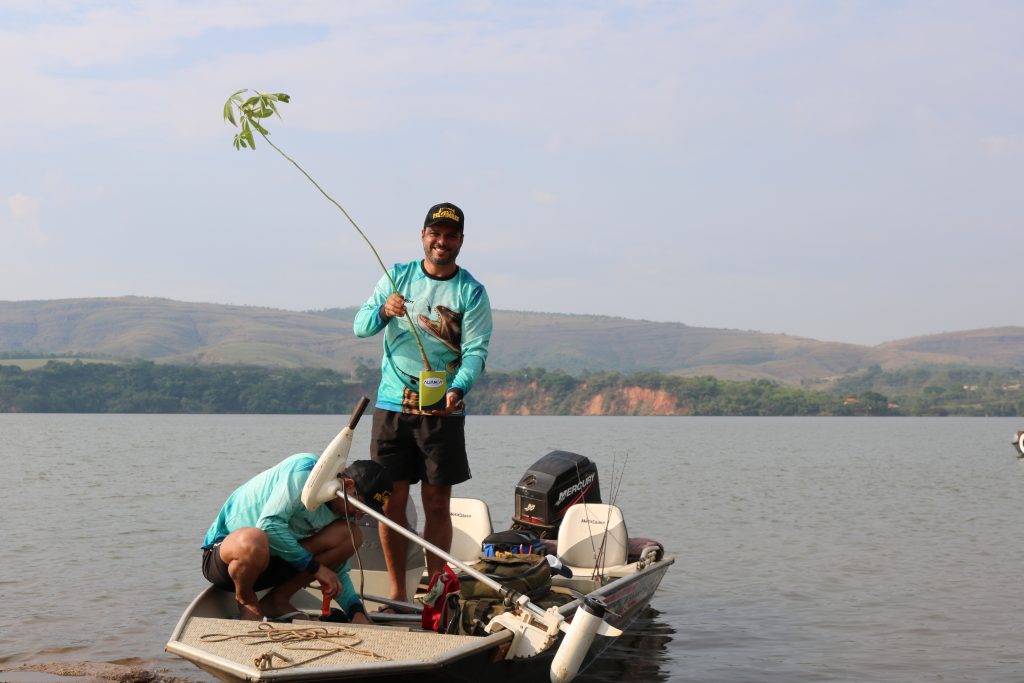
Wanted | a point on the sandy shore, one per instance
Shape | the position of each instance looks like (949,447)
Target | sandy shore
(83,672)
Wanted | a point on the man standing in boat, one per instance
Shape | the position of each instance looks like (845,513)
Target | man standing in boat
(452,314)
(264,537)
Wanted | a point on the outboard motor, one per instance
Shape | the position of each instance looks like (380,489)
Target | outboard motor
(549,487)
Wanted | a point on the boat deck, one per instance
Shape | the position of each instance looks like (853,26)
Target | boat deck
(262,650)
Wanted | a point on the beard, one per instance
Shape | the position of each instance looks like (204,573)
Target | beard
(453,253)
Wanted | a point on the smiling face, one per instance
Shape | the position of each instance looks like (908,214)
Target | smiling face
(441,245)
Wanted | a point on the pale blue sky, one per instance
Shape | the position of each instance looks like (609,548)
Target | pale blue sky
(847,171)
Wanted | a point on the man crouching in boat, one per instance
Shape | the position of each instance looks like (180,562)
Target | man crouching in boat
(264,537)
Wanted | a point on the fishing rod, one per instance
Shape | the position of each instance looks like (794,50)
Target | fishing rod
(614,491)
(262,105)
(598,550)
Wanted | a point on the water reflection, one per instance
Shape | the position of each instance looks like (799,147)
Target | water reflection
(639,654)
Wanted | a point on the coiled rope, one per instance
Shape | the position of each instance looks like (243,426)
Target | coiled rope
(292,640)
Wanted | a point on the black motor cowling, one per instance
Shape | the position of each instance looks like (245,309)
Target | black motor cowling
(549,487)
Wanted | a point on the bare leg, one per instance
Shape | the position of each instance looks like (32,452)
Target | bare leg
(278,600)
(246,552)
(437,525)
(396,546)
(331,546)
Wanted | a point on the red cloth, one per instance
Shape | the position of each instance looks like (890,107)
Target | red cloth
(435,603)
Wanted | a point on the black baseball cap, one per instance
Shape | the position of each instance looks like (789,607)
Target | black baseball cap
(372,482)
(445,213)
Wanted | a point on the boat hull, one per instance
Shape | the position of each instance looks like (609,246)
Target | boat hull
(625,598)
(445,658)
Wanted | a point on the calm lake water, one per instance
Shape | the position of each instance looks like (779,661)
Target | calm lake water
(808,549)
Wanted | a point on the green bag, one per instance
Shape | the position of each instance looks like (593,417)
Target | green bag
(477,602)
(525,574)
(469,617)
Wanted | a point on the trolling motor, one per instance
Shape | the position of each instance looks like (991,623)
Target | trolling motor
(586,623)
(323,483)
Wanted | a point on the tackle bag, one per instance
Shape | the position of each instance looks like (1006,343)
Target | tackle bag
(470,617)
(525,574)
(477,602)
(518,541)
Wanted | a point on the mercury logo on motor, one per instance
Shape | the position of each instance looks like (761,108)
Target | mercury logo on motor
(578,487)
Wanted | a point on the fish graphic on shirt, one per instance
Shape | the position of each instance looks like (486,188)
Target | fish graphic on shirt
(447,329)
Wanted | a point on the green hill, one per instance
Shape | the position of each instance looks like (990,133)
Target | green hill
(179,332)
(997,346)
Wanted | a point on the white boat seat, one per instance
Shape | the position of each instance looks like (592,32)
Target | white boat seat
(583,542)
(471,524)
(368,568)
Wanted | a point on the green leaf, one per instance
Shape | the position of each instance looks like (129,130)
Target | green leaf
(251,109)
(229,113)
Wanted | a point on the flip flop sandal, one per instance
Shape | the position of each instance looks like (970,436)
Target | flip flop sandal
(289,617)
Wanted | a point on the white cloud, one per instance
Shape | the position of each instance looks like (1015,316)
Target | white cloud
(727,127)
(127,69)
(582,74)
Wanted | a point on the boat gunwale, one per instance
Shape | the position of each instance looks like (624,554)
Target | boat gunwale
(215,664)
(206,660)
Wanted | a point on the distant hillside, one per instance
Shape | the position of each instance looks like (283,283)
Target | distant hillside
(196,333)
(179,332)
(997,346)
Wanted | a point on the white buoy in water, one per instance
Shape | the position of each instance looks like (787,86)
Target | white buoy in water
(587,622)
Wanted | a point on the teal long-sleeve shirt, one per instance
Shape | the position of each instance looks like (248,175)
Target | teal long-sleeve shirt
(453,318)
(271,501)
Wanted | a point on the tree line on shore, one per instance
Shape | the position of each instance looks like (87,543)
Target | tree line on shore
(147,387)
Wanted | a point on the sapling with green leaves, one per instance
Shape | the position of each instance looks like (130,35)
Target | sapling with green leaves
(252,111)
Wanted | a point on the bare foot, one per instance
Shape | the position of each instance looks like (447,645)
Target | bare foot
(275,608)
(249,612)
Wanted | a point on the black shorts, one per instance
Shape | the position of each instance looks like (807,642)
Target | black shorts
(413,448)
(216,571)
